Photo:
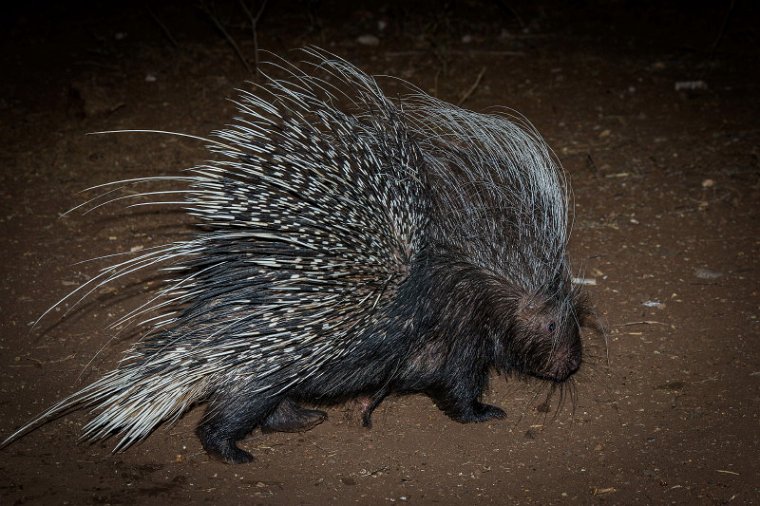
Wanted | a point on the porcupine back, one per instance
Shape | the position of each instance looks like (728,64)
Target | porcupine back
(308,218)
(322,221)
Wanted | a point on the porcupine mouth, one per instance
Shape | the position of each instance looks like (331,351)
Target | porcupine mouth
(564,363)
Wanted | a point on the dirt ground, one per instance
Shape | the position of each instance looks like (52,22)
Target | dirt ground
(653,112)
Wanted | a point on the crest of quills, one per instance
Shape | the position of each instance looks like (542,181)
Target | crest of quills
(348,245)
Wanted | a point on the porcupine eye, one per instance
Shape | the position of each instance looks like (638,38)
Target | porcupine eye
(551,327)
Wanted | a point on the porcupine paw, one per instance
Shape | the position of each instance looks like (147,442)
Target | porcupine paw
(290,417)
(479,412)
(485,412)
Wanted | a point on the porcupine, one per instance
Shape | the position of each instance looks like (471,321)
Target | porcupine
(348,246)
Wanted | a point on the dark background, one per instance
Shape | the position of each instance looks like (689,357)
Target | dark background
(653,110)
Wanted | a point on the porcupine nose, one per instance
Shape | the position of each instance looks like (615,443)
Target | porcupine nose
(567,360)
(574,361)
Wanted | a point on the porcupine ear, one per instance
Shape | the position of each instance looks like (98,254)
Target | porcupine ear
(585,313)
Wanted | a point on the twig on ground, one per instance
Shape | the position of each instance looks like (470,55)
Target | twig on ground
(227,36)
(472,88)
(164,29)
(254,29)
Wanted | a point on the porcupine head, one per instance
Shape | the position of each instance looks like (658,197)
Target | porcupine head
(545,337)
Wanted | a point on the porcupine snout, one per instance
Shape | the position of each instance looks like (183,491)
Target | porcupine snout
(564,362)
(554,361)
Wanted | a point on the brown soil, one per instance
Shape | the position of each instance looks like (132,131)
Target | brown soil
(666,184)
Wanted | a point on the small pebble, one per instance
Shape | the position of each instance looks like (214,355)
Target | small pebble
(703,273)
(690,86)
(368,40)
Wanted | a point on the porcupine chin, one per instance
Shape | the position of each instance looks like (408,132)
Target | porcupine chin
(346,251)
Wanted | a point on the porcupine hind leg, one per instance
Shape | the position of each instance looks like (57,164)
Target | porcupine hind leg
(230,418)
(290,417)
